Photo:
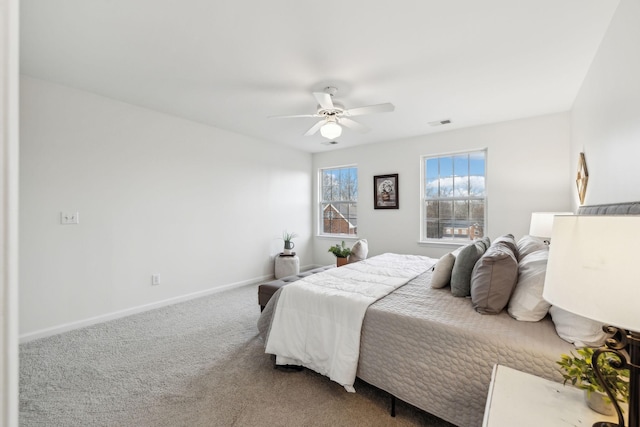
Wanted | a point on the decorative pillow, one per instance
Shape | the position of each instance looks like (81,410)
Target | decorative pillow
(580,331)
(457,251)
(462,268)
(493,279)
(526,303)
(442,271)
(510,241)
(359,251)
(486,241)
(528,244)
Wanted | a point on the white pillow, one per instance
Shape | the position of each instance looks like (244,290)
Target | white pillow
(359,251)
(580,331)
(442,271)
(528,244)
(526,303)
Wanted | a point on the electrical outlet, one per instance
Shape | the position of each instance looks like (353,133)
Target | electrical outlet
(155,279)
(69,218)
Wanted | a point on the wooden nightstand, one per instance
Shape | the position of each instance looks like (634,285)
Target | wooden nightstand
(519,399)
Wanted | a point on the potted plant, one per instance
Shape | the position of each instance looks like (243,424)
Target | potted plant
(578,370)
(288,241)
(341,252)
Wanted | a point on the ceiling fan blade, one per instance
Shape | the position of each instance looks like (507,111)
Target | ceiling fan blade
(294,116)
(369,109)
(315,128)
(324,99)
(353,125)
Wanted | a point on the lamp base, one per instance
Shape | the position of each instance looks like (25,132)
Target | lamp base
(606,424)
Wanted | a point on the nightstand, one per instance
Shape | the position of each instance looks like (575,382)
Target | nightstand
(524,400)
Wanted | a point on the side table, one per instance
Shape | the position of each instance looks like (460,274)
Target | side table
(524,400)
(287,265)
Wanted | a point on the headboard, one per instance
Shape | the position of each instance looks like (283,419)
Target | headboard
(626,208)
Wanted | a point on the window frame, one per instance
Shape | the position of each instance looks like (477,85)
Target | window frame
(321,202)
(423,199)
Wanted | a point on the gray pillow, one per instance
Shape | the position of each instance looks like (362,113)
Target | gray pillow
(442,271)
(359,251)
(493,279)
(457,251)
(510,241)
(486,241)
(462,268)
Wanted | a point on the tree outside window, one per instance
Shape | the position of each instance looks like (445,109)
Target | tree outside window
(339,200)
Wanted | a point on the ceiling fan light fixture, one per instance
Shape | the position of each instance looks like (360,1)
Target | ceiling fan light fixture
(333,116)
(331,130)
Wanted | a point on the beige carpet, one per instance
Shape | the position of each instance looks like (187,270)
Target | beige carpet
(198,363)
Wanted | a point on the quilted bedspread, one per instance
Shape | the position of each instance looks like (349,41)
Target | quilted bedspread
(318,319)
(432,350)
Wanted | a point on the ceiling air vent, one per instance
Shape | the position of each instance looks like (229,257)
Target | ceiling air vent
(440,122)
(329,142)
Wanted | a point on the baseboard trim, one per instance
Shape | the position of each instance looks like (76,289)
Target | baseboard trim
(66,327)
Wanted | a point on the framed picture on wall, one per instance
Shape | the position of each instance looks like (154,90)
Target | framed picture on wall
(386,192)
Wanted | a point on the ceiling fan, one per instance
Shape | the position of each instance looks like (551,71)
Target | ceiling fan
(333,115)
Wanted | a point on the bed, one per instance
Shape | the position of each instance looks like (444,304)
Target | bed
(433,350)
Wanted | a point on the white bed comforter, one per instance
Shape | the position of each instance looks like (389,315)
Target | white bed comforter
(318,319)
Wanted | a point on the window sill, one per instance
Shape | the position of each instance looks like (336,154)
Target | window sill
(443,244)
(344,237)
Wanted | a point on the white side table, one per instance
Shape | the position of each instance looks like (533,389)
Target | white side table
(287,265)
(524,400)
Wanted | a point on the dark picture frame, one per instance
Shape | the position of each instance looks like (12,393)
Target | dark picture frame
(386,191)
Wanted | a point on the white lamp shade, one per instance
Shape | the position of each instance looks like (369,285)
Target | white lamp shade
(331,130)
(541,223)
(592,268)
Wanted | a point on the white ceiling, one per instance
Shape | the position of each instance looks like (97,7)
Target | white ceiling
(233,63)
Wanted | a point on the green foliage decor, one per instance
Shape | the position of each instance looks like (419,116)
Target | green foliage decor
(287,237)
(341,251)
(579,371)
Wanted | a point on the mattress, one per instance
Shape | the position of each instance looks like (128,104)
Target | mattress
(434,351)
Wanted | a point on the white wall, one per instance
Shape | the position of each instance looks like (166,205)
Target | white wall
(605,119)
(527,171)
(202,207)
(139,193)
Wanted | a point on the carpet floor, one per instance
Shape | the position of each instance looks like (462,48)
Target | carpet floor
(196,363)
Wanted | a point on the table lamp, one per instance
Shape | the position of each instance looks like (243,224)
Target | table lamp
(592,272)
(541,223)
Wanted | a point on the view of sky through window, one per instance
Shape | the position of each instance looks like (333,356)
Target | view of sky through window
(454,196)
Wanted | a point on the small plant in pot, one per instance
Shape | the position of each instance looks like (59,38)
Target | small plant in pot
(288,241)
(578,371)
(341,252)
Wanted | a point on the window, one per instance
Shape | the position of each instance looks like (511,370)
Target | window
(454,196)
(339,200)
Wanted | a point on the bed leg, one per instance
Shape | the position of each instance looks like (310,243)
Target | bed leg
(393,406)
(288,368)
